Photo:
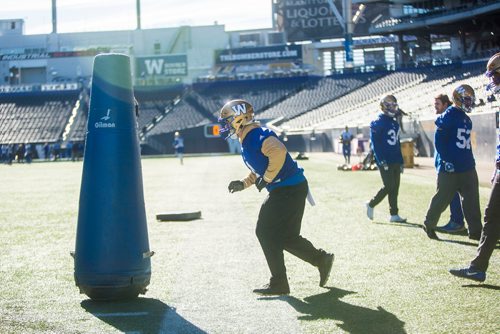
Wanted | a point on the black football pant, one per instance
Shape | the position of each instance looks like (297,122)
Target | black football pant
(278,228)
(467,185)
(491,229)
(391,179)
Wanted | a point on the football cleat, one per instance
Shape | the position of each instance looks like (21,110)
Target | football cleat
(469,273)
(369,211)
(325,267)
(452,228)
(276,287)
(430,233)
(397,219)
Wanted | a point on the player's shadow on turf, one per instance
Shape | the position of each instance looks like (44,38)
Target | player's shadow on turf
(460,242)
(482,286)
(355,319)
(403,224)
(141,315)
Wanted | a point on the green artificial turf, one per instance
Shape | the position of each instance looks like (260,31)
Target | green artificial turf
(386,278)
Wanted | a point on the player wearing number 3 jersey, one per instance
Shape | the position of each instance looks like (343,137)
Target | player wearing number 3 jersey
(456,165)
(384,135)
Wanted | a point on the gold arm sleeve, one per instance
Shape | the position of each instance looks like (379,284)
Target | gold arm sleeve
(276,151)
(249,180)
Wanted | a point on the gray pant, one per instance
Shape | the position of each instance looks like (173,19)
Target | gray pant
(491,230)
(391,179)
(467,185)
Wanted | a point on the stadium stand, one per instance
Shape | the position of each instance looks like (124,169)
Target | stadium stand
(315,95)
(180,117)
(35,119)
(414,90)
(415,99)
(262,93)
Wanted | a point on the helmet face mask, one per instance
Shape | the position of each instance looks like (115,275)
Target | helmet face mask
(464,98)
(389,105)
(233,116)
(493,73)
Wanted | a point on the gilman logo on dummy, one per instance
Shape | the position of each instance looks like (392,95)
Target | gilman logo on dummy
(239,109)
(105,124)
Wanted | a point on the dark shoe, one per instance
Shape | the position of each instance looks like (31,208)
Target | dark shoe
(430,233)
(274,288)
(475,236)
(452,228)
(469,273)
(325,266)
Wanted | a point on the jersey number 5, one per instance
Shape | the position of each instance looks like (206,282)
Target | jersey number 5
(463,136)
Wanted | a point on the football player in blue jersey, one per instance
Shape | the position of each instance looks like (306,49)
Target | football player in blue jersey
(280,216)
(345,138)
(456,165)
(384,136)
(456,223)
(491,231)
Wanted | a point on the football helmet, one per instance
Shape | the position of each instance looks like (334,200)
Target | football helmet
(464,97)
(493,73)
(389,105)
(234,115)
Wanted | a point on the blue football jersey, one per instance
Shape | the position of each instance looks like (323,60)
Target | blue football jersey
(257,162)
(384,134)
(453,140)
(498,148)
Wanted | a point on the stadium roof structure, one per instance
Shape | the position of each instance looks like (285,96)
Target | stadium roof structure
(434,17)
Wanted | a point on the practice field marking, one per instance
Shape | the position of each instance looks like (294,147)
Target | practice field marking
(121,314)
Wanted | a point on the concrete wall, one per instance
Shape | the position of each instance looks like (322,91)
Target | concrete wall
(198,43)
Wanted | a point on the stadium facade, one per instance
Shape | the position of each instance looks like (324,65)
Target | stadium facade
(297,74)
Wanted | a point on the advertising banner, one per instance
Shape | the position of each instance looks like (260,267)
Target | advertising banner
(259,54)
(315,19)
(161,65)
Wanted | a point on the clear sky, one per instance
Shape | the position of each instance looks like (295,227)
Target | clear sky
(104,15)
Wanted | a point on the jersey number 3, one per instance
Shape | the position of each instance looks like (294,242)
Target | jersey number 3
(393,137)
(463,138)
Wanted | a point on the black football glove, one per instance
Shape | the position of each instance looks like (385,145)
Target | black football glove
(260,183)
(235,186)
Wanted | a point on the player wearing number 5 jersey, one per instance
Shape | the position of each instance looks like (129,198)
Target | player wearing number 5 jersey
(384,135)
(477,268)
(456,165)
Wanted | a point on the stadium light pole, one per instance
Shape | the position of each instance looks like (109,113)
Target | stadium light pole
(349,27)
(54,17)
(138,13)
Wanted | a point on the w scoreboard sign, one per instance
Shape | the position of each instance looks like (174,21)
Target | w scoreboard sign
(161,66)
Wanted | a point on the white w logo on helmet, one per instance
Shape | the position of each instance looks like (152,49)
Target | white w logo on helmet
(239,109)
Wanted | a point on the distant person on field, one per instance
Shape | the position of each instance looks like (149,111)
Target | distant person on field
(456,165)
(456,223)
(280,216)
(491,230)
(178,145)
(46,151)
(384,135)
(346,138)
